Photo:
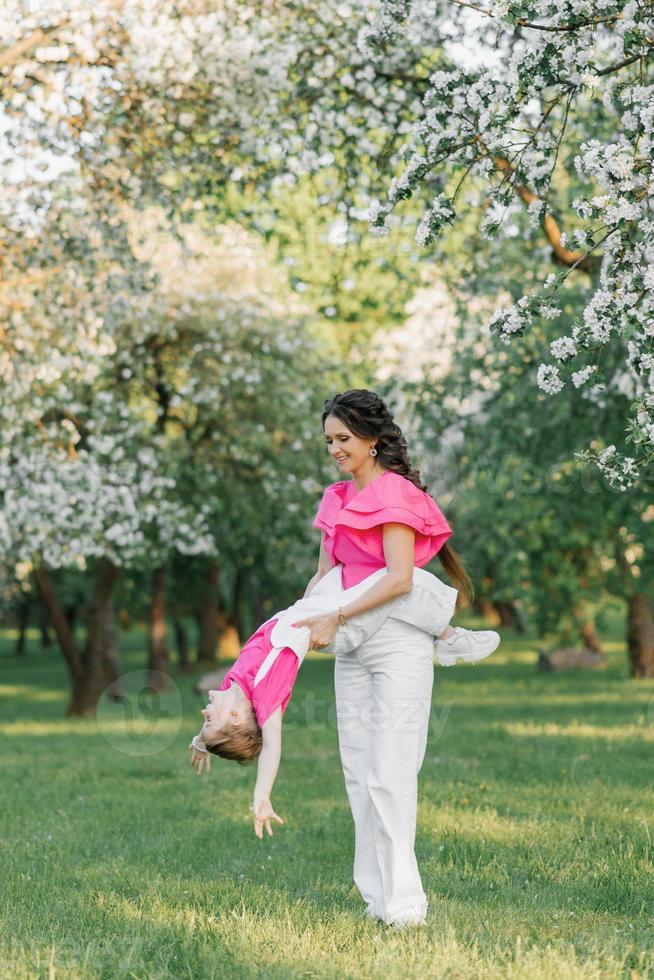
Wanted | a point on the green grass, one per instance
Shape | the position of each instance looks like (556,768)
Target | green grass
(534,834)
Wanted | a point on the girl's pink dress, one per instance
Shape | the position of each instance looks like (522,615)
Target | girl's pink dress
(354,537)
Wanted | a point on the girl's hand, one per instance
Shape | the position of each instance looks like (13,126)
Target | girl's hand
(323,629)
(200,760)
(263,814)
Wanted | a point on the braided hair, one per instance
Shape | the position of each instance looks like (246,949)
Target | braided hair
(367,416)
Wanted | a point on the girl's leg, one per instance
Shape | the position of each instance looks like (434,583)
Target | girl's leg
(353,687)
(401,660)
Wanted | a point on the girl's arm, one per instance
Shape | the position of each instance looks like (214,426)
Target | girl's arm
(267,766)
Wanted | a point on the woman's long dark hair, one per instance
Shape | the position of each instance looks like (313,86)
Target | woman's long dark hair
(366,415)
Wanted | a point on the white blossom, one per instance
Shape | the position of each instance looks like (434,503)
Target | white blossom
(580,377)
(548,379)
(563,348)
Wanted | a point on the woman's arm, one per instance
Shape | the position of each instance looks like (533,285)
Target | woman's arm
(324,566)
(311,583)
(267,766)
(399,554)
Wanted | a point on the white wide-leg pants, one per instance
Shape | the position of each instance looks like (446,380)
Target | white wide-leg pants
(383,705)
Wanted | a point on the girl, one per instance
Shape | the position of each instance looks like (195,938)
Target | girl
(241,726)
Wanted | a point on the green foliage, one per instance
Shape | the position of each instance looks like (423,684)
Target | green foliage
(352,284)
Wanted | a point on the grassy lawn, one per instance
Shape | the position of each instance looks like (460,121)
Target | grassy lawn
(536,815)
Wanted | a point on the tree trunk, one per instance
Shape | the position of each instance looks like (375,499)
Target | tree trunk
(88,670)
(86,696)
(46,639)
(583,625)
(508,613)
(208,616)
(640,636)
(197,616)
(589,635)
(159,658)
(181,642)
(258,608)
(23,623)
(115,691)
(484,607)
(230,644)
(236,619)
(72,613)
(60,624)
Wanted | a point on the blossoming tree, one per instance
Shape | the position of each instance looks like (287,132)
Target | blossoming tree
(557,111)
(95,461)
(557,540)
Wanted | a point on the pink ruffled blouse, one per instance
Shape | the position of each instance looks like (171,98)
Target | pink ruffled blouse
(353,521)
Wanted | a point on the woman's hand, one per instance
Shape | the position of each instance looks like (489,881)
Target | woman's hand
(263,814)
(323,629)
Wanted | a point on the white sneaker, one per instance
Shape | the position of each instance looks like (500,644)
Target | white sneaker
(467,645)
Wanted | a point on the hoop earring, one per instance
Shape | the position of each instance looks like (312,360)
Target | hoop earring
(373,451)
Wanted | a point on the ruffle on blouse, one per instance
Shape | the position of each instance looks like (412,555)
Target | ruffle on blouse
(329,507)
(390,498)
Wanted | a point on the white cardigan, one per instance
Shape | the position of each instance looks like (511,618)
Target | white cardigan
(429,606)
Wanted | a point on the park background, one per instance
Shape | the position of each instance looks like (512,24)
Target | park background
(216,216)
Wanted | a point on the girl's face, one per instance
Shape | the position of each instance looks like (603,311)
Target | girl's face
(223,707)
(349,451)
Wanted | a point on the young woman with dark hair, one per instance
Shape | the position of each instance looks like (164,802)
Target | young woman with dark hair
(380,516)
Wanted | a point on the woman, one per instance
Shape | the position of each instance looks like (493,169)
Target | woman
(382,516)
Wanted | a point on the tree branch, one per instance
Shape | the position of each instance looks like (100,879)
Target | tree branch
(550,225)
(13,54)
(553,28)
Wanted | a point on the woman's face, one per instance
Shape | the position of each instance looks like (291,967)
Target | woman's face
(349,451)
